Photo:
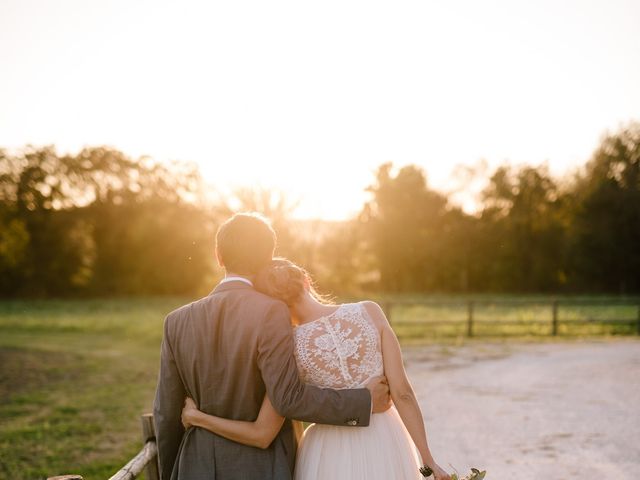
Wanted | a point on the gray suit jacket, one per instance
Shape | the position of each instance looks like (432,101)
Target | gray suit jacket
(227,351)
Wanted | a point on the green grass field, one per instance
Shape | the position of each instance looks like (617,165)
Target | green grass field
(75,376)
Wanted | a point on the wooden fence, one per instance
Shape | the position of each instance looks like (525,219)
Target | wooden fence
(468,323)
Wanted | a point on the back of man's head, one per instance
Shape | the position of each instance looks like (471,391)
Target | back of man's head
(245,243)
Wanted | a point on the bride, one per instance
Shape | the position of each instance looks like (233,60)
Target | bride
(337,347)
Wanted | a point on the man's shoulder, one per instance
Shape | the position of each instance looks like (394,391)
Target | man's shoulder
(178,313)
(256,299)
(186,309)
(261,299)
(247,295)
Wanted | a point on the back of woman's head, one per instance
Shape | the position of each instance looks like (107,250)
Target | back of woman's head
(286,281)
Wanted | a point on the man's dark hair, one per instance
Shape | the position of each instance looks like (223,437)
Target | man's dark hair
(245,243)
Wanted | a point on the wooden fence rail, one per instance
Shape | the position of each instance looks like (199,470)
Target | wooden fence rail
(469,326)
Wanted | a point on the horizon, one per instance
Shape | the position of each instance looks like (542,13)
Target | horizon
(475,176)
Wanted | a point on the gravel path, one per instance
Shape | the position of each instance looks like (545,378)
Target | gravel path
(549,411)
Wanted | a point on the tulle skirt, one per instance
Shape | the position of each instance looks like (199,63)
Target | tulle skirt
(383,450)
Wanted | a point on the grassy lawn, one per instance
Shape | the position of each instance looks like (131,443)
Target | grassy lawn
(75,376)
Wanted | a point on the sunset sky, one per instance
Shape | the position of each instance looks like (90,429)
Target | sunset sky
(310,97)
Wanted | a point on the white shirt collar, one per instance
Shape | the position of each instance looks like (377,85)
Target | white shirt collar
(235,278)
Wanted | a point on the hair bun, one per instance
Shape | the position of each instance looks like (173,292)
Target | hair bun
(282,279)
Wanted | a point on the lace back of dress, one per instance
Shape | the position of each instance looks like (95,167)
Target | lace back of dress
(341,350)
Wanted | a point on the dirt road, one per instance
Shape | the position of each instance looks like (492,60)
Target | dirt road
(549,411)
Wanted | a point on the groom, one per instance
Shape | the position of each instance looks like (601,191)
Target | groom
(227,351)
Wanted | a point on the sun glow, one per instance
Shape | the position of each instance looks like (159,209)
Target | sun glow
(311,98)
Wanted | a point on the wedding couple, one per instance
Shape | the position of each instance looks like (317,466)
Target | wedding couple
(241,366)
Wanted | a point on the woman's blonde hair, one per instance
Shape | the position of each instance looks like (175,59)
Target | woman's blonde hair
(284,280)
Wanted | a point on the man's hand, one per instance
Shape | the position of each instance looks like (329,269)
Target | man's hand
(380,396)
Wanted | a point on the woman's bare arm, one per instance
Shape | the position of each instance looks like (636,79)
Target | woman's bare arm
(402,393)
(259,433)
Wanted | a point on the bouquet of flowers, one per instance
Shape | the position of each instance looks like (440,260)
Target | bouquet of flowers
(474,475)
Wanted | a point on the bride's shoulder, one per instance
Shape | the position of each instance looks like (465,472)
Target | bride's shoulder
(375,313)
(370,305)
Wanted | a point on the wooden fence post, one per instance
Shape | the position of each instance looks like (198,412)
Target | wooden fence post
(66,477)
(470,318)
(151,471)
(554,318)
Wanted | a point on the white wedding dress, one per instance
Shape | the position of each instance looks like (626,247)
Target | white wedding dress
(343,350)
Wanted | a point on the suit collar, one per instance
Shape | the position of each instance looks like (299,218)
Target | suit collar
(231,278)
(231,285)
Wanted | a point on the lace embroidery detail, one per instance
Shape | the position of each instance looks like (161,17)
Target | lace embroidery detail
(341,350)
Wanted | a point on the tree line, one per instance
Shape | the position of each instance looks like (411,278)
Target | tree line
(101,223)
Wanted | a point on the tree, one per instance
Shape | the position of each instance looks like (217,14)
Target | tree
(33,197)
(606,226)
(100,222)
(405,220)
(522,231)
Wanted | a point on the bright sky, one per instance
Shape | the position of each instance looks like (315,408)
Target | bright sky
(310,97)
